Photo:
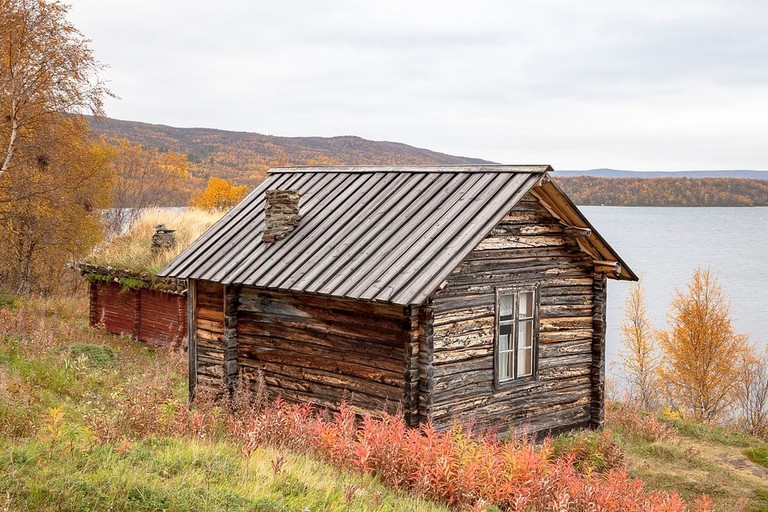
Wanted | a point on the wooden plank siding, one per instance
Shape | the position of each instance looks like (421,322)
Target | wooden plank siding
(324,350)
(528,247)
(157,317)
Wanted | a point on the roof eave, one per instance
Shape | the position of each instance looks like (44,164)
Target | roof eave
(549,192)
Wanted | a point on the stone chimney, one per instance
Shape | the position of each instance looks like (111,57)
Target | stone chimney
(163,238)
(281,214)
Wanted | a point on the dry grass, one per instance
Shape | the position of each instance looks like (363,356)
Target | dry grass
(132,250)
(669,453)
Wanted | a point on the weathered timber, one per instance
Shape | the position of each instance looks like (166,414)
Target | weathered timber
(529,246)
(597,411)
(426,360)
(210,349)
(322,349)
(230,339)
(411,374)
(333,312)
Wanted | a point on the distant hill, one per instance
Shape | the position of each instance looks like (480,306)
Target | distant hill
(244,157)
(614,173)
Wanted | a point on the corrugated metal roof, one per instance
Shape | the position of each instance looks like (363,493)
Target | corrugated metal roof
(390,234)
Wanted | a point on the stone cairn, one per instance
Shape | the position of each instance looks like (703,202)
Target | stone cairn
(163,238)
(281,214)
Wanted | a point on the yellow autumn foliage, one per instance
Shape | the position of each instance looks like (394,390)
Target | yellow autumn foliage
(50,211)
(219,195)
(700,368)
(639,355)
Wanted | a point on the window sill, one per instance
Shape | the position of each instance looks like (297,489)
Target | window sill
(512,383)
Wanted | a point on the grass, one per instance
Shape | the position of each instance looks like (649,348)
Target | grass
(88,421)
(692,458)
(758,455)
(176,474)
(132,250)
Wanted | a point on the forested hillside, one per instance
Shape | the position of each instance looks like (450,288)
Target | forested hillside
(588,190)
(244,157)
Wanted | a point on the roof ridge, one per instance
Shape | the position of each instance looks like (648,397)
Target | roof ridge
(413,169)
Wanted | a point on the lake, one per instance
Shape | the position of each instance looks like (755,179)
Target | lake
(664,246)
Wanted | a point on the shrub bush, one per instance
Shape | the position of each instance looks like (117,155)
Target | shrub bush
(589,451)
(637,422)
(458,467)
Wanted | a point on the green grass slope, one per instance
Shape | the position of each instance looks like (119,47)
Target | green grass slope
(88,422)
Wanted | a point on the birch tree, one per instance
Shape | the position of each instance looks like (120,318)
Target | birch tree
(47,71)
(639,356)
(701,351)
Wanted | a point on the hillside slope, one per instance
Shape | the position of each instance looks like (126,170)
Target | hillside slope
(244,157)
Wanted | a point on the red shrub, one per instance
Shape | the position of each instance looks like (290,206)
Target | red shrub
(455,467)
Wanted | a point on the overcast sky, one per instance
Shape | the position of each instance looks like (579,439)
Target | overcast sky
(651,85)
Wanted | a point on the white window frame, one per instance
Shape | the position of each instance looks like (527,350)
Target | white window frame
(511,375)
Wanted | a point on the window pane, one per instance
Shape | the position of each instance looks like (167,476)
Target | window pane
(524,362)
(525,304)
(505,307)
(505,364)
(525,333)
(505,338)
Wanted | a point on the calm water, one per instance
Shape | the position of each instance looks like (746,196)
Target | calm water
(664,246)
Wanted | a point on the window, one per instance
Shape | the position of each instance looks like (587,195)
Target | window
(516,328)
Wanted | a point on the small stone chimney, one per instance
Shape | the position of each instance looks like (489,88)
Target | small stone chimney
(281,214)
(163,238)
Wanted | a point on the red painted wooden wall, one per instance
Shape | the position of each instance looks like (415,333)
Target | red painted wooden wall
(153,316)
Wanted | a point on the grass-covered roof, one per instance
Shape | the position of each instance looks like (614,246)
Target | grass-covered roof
(133,250)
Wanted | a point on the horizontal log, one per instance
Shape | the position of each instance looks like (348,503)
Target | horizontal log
(562,336)
(212,315)
(465,340)
(317,384)
(356,363)
(518,242)
(314,302)
(213,337)
(569,323)
(348,370)
(470,311)
(297,339)
(453,356)
(210,325)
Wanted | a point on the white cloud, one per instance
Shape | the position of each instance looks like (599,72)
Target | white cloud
(643,85)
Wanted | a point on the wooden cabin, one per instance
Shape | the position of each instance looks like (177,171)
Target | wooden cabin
(448,293)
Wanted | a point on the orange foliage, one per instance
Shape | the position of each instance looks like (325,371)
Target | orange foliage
(456,467)
(699,371)
(219,195)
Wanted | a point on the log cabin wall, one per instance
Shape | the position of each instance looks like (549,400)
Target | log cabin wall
(324,350)
(149,315)
(600,288)
(527,247)
(207,350)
